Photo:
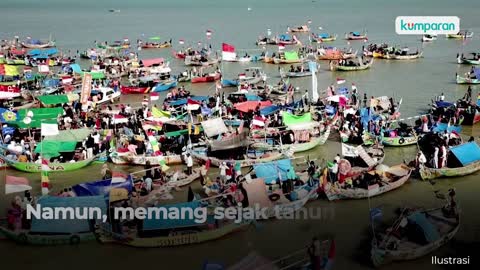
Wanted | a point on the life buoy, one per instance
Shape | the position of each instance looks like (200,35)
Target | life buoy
(401,140)
(274,197)
(74,240)
(22,238)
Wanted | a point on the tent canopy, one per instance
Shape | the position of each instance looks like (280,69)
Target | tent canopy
(58,99)
(65,225)
(151,62)
(290,119)
(466,153)
(293,55)
(251,105)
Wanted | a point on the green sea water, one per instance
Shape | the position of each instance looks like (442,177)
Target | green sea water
(76,24)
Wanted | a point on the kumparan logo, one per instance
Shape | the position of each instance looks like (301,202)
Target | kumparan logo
(433,25)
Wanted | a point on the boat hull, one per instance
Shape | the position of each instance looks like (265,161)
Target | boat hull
(134,90)
(54,167)
(25,238)
(430,173)
(120,159)
(463,80)
(399,141)
(243,163)
(206,79)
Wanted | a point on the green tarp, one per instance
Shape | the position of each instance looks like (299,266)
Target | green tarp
(96,75)
(54,148)
(76,135)
(291,55)
(290,119)
(40,115)
(58,99)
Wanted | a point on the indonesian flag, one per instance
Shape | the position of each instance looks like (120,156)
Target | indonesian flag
(309,21)
(67,79)
(193,105)
(181,42)
(154,96)
(49,129)
(340,80)
(15,184)
(354,87)
(228,52)
(199,43)
(242,76)
(258,121)
(25,69)
(118,177)
(44,68)
(45,180)
(281,46)
(125,39)
(119,119)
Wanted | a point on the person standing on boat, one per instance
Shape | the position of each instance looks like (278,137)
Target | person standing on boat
(334,172)
(421,159)
(444,156)
(441,97)
(189,164)
(435,158)
(468,95)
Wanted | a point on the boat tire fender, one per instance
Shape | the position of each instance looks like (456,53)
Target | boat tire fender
(274,197)
(74,240)
(401,141)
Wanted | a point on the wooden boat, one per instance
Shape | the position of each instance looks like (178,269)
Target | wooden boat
(391,179)
(175,239)
(392,246)
(356,36)
(280,61)
(462,34)
(295,74)
(323,38)
(361,66)
(466,80)
(196,61)
(26,238)
(134,90)
(165,86)
(129,159)
(429,38)
(474,60)
(249,161)
(54,167)
(150,45)
(207,78)
(404,56)
(299,29)
(178,55)
(334,54)
(37,44)
(399,141)
(430,173)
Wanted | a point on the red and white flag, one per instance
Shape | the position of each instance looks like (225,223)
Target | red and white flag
(118,177)
(340,80)
(258,121)
(242,76)
(193,105)
(181,41)
(15,184)
(228,52)
(209,33)
(45,180)
(154,96)
(49,129)
(281,46)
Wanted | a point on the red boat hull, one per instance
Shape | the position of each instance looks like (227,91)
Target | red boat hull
(206,79)
(134,90)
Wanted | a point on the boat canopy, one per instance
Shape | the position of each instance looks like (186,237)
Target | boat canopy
(151,62)
(58,99)
(466,153)
(271,171)
(76,68)
(183,101)
(102,187)
(323,35)
(429,230)
(51,82)
(269,110)
(66,225)
(46,52)
(285,37)
(51,149)
(443,104)
(291,119)
(164,220)
(356,33)
(214,127)
(293,55)
(251,105)
(76,135)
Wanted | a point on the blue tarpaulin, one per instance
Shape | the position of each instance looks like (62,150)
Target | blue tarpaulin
(477,73)
(183,101)
(253,97)
(323,35)
(64,225)
(466,153)
(270,171)
(429,230)
(356,33)
(47,52)
(164,222)
(443,104)
(101,187)
(285,37)
(76,68)
(342,91)
(441,127)
(51,82)
(269,110)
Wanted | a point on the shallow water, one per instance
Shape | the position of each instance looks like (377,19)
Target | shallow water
(77,25)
